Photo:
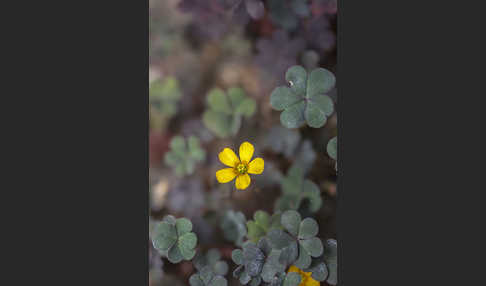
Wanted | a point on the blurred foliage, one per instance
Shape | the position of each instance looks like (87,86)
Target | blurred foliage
(260,225)
(164,96)
(184,155)
(332,149)
(226,110)
(234,226)
(213,67)
(296,189)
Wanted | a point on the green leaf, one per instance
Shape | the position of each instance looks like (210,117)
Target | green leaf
(169,219)
(218,101)
(187,241)
(262,219)
(311,191)
(223,117)
(164,236)
(293,116)
(278,239)
(183,226)
(304,259)
(219,123)
(272,266)
(234,227)
(175,255)
(305,100)
(213,255)
(247,107)
(319,272)
(312,246)
(255,281)
(323,102)
(292,279)
(314,116)
(290,221)
(236,96)
(206,275)
(219,281)
(259,227)
(332,148)
(320,81)
(237,256)
(235,124)
(282,97)
(255,232)
(297,78)
(245,278)
(308,228)
(171,159)
(220,268)
(289,254)
(181,159)
(194,280)
(178,144)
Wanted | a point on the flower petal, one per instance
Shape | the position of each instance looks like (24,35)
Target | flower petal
(242,181)
(256,166)
(225,175)
(246,152)
(294,268)
(228,157)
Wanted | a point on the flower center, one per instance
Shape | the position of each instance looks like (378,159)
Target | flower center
(242,168)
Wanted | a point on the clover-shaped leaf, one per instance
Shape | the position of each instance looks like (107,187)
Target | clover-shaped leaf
(234,227)
(250,260)
(304,231)
(206,277)
(183,155)
(164,95)
(305,100)
(225,112)
(272,266)
(318,269)
(212,259)
(292,279)
(296,189)
(257,262)
(261,224)
(174,240)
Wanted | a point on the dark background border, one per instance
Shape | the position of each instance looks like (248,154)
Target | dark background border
(78,137)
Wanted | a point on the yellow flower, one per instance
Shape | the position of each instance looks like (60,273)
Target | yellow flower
(306,279)
(240,168)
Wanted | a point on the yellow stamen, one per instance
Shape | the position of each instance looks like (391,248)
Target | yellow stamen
(242,168)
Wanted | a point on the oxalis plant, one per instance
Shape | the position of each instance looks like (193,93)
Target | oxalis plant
(164,95)
(226,110)
(184,155)
(305,100)
(289,254)
(174,240)
(211,269)
(296,190)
